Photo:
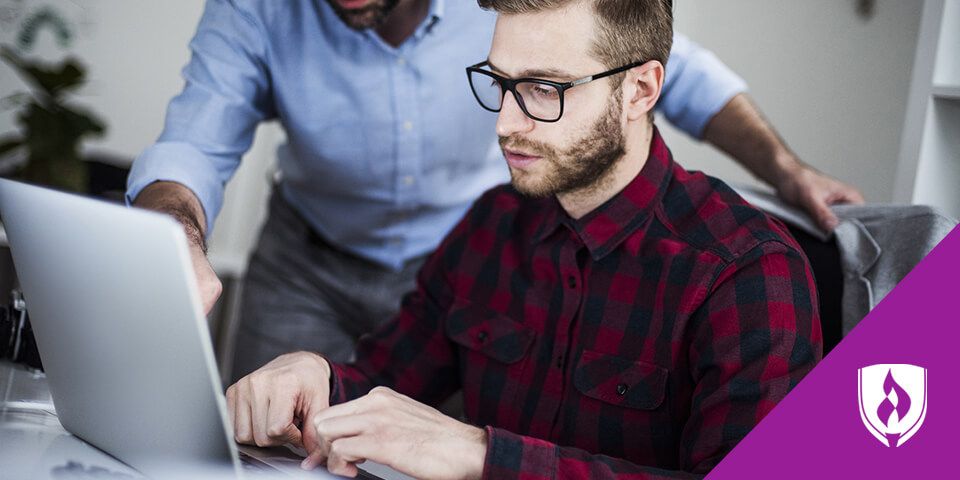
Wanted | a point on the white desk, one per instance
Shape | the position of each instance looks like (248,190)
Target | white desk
(33,444)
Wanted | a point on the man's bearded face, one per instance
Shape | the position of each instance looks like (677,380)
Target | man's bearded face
(366,17)
(577,166)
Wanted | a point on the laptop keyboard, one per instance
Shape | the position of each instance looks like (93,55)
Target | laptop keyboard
(253,465)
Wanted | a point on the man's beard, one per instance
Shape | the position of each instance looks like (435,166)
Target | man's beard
(582,167)
(371,16)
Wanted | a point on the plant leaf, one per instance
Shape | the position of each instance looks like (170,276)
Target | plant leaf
(52,79)
(9,144)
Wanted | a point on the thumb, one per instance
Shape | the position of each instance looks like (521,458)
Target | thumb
(313,460)
(311,443)
(308,431)
(316,400)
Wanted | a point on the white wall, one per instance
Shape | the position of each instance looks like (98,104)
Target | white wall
(833,84)
(133,50)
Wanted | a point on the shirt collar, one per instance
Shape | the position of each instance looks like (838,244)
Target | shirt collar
(606,227)
(435,14)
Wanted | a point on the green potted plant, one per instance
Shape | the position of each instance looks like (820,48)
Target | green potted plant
(52,127)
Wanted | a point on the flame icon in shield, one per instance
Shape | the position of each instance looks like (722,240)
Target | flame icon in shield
(893,401)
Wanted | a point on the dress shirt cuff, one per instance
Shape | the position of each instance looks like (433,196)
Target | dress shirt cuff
(338,394)
(509,454)
(181,163)
(698,86)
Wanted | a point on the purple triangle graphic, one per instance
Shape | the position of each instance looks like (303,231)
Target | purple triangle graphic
(817,432)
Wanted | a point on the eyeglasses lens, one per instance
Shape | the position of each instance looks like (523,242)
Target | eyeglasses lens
(540,101)
(487,89)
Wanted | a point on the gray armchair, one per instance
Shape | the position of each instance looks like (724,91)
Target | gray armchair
(863,259)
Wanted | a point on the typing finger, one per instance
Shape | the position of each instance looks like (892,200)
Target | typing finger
(346,453)
(331,429)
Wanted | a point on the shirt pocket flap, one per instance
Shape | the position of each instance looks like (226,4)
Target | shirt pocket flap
(488,332)
(621,382)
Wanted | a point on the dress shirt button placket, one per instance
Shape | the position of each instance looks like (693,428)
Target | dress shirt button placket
(408,130)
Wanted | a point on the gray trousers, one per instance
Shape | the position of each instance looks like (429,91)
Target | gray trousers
(301,293)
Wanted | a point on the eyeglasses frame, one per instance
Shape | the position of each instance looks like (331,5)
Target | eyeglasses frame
(509,85)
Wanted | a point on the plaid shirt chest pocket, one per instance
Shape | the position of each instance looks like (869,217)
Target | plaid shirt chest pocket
(488,333)
(620,381)
(494,349)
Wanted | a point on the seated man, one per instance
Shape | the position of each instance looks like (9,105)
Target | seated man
(606,314)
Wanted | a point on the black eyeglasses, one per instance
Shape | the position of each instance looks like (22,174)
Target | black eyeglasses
(541,100)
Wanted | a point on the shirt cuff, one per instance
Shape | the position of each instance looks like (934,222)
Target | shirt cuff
(509,454)
(337,392)
(182,163)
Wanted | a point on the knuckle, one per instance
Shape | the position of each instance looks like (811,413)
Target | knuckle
(320,427)
(335,450)
(381,394)
(262,440)
(255,382)
(275,431)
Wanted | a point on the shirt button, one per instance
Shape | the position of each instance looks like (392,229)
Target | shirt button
(408,125)
(482,337)
(560,361)
(572,281)
(408,180)
(401,61)
(622,389)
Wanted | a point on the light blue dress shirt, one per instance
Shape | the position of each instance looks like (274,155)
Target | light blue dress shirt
(386,147)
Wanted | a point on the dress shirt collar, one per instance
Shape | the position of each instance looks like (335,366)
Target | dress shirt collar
(606,227)
(433,16)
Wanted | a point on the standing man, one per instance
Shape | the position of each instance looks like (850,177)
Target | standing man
(608,314)
(385,153)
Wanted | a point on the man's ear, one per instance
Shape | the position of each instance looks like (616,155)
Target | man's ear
(642,89)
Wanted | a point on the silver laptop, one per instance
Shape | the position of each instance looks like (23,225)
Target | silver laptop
(113,301)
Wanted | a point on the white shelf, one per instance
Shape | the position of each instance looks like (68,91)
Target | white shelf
(947,71)
(929,166)
(949,92)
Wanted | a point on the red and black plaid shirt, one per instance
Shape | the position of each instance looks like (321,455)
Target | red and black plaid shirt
(643,340)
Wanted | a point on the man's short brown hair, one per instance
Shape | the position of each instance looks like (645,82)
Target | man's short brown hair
(627,30)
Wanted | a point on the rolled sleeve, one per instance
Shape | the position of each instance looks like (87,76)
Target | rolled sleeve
(697,86)
(180,162)
(210,125)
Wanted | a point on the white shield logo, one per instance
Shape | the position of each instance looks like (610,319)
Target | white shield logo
(893,401)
